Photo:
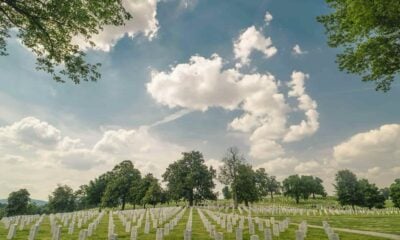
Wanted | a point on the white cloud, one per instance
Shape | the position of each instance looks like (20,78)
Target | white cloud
(143,21)
(203,83)
(29,132)
(280,166)
(373,154)
(268,18)
(35,153)
(296,50)
(310,125)
(252,40)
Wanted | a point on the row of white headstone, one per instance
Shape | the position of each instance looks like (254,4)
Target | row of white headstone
(288,210)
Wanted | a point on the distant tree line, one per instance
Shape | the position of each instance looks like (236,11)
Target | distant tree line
(190,179)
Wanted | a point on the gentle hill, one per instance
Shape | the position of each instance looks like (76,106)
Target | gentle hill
(38,202)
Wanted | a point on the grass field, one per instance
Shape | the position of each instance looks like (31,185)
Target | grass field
(376,223)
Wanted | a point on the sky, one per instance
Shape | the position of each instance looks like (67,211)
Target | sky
(200,75)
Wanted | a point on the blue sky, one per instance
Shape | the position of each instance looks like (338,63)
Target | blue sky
(64,133)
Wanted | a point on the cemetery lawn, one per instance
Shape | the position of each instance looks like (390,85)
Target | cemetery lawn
(387,224)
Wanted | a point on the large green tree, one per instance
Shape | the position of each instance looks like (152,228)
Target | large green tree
(154,194)
(140,189)
(372,197)
(190,179)
(368,34)
(47,28)
(96,188)
(395,192)
(347,188)
(246,185)
(118,190)
(266,184)
(229,171)
(62,199)
(293,187)
(18,202)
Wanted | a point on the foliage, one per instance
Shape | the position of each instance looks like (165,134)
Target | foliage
(18,203)
(368,32)
(355,192)
(48,29)
(293,187)
(62,199)
(371,195)
(246,184)
(229,171)
(190,179)
(266,184)
(395,193)
(96,189)
(347,188)
(154,194)
(140,189)
(118,189)
(226,192)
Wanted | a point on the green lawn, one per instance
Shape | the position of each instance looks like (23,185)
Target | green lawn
(385,224)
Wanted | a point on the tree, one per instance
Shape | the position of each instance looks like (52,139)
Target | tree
(293,187)
(229,171)
(96,188)
(368,32)
(48,27)
(81,199)
(273,186)
(118,190)
(347,188)
(315,187)
(190,179)
(371,195)
(139,190)
(226,192)
(246,184)
(18,203)
(395,192)
(62,199)
(154,194)
(262,178)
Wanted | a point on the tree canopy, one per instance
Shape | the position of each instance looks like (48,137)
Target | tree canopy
(48,28)
(395,192)
(367,32)
(190,179)
(17,202)
(62,199)
(118,190)
(354,192)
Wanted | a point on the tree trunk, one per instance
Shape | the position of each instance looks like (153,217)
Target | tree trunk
(272,195)
(235,200)
(123,204)
(246,203)
(313,195)
(297,199)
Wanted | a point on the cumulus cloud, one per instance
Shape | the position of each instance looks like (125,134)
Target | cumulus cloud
(204,82)
(306,104)
(296,50)
(34,151)
(252,40)
(29,132)
(373,154)
(196,85)
(143,21)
